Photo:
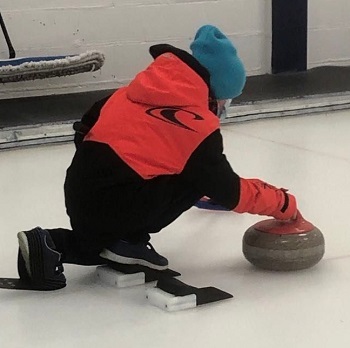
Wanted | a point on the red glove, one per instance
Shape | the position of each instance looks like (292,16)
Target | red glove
(259,197)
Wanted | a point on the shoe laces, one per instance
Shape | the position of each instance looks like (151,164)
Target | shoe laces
(149,246)
(59,269)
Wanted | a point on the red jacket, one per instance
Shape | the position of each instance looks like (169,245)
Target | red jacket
(158,121)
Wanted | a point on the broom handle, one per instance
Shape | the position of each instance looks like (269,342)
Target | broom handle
(7,38)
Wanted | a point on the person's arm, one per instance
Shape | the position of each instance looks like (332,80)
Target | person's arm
(212,175)
(88,120)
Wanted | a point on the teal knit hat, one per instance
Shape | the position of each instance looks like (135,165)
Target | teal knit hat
(217,54)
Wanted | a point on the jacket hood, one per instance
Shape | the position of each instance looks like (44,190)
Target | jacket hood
(175,78)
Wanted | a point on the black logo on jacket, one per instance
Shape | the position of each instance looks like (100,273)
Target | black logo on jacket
(169,115)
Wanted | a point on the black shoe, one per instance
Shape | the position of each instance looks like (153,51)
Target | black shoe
(21,267)
(43,267)
(135,254)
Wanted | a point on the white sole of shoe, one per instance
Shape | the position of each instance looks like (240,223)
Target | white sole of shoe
(106,254)
(24,247)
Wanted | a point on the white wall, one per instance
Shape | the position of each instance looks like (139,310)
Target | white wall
(123,30)
(329,33)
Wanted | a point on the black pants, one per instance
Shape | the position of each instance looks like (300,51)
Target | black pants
(129,211)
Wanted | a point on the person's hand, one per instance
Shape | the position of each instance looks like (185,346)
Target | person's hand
(261,198)
(295,218)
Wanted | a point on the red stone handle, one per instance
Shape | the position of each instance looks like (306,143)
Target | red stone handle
(294,226)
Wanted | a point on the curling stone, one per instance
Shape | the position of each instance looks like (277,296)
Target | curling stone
(283,245)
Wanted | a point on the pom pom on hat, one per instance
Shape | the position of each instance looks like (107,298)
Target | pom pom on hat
(218,55)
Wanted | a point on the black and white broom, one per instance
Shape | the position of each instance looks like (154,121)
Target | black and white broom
(31,68)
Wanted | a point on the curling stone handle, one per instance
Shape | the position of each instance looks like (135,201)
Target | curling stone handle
(297,218)
(297,226)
